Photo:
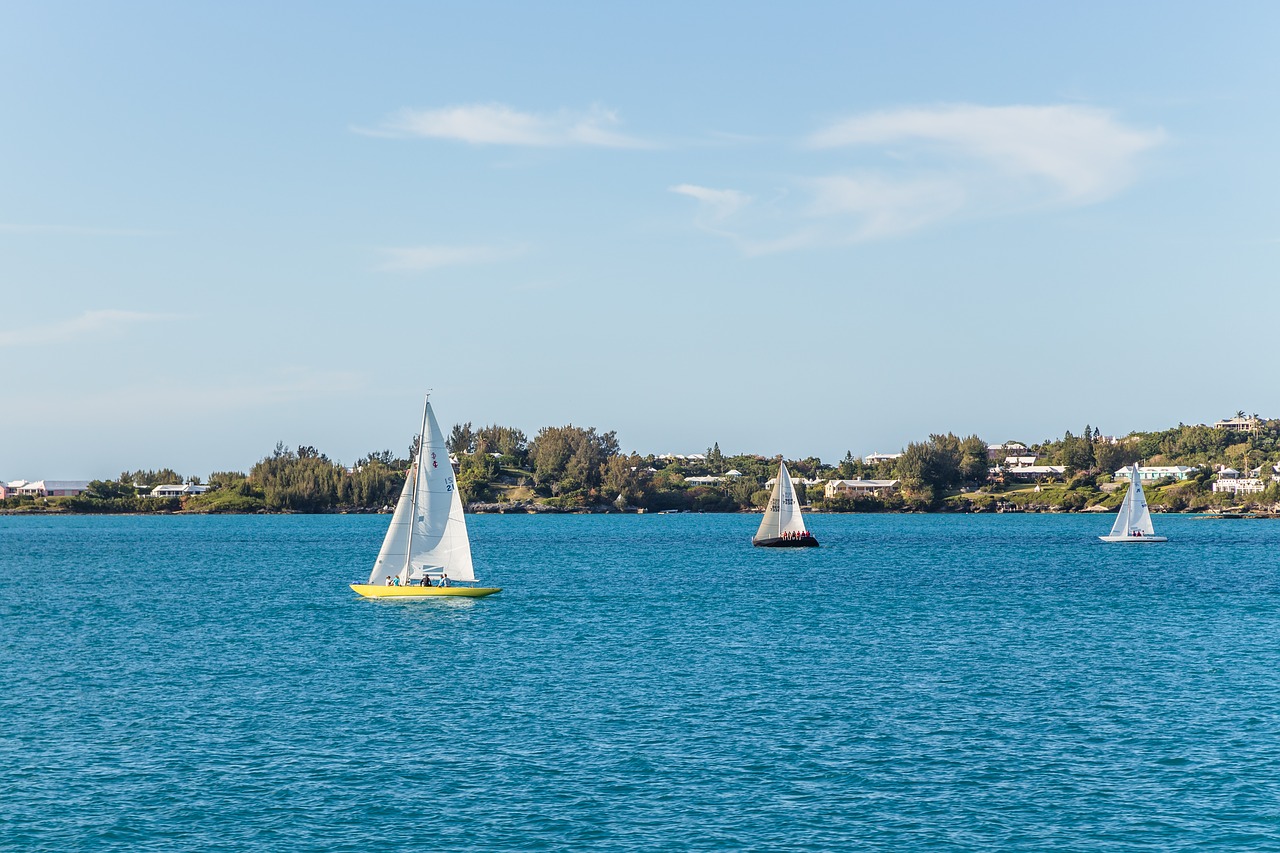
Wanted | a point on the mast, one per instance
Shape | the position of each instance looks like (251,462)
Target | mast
(417,473)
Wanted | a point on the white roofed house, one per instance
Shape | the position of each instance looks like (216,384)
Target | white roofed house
(874,458)
(178,490)
(54,488)
(1036,472)
(1230,481)
(1151,473)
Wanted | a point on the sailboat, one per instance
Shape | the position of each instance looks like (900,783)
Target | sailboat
(782,525)
(1133,521)
(426,548)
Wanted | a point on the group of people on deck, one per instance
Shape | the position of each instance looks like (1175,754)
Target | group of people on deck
(788,535)
(394,580)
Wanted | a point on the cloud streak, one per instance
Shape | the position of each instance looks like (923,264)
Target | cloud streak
(90,324)
(1083,152)
(910,169)
(499,124)
(410,259)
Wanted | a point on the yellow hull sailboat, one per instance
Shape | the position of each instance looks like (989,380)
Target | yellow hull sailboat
(427,538)
(369,590)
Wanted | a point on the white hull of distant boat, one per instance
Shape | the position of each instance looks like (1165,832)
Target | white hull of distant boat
(1133,521)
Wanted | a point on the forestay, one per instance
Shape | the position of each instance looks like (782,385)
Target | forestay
(1133,514)
(783,513)
(428,533)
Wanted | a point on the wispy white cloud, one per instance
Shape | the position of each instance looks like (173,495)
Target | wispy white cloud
(720,204)
(1083,152)
(427,258)
(90,324)
(913,168)
(879,207)
(499,124)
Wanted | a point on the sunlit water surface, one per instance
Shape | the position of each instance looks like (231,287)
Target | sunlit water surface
(643,682)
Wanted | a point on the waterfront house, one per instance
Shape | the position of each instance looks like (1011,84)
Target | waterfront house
(1238,485)
(1020,461)
(1011,448)
(855,488)
(53,488)
(1149,473)
(178,490)
(703,481)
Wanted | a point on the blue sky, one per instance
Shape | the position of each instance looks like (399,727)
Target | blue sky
(786,228)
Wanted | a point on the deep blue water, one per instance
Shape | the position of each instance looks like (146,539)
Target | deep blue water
(643,682)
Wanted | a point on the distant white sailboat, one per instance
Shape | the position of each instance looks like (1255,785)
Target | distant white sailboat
(1133,521)
(427,539)
(783,525)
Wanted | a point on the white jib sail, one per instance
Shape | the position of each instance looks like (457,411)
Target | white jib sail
(428,533)
(1133,515)
(395,545)
(783,513)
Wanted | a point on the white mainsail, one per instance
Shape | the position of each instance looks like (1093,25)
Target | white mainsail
(428,533)
(1133,514)
(783,513)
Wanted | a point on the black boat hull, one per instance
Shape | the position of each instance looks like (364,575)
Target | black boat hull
(775,542)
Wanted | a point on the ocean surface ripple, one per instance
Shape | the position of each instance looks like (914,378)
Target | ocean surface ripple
(643,682)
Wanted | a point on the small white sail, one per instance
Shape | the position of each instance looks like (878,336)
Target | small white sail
(428,533)
(395,545)
(783,513)
(1133,515)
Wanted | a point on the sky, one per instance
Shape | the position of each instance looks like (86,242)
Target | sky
(797,228)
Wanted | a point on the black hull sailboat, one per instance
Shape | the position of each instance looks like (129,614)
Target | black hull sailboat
(800,542)
(782,525)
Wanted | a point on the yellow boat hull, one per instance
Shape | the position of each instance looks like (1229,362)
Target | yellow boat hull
(369,590)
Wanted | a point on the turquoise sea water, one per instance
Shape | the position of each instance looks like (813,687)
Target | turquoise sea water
(644,682)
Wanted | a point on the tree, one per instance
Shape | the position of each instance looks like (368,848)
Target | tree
(1077,453)
(926,468)
(461,439)
(569,458)
(715,459)
(973,460)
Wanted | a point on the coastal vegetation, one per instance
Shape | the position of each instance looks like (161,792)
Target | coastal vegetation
(571,468)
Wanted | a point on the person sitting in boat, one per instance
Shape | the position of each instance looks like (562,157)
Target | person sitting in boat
(426,579)
(444,580)
(388,580)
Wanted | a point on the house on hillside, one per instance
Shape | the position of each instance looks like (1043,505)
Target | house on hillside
(1010,448)
(1249,424)
(1035,472)
(874,458)
(1150,473)
(856,488)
